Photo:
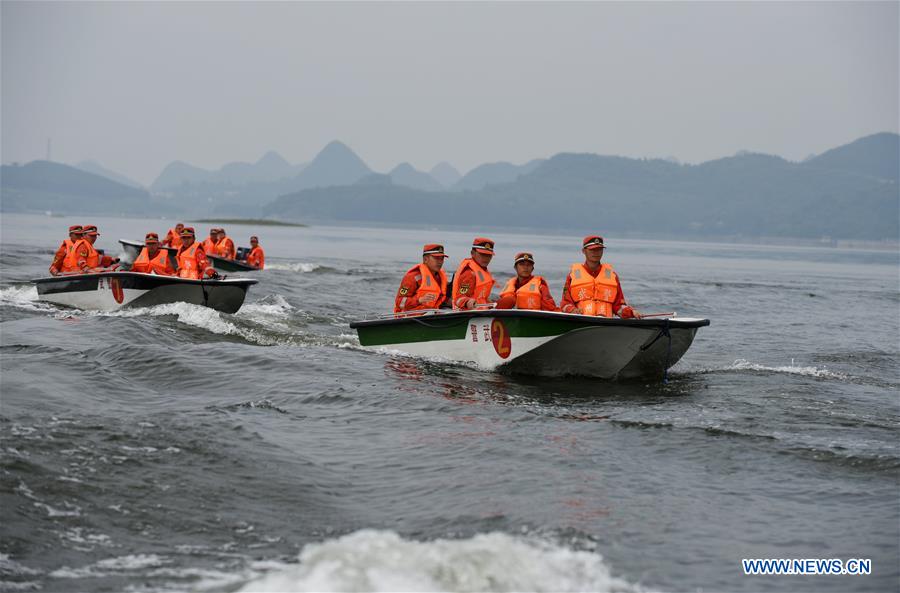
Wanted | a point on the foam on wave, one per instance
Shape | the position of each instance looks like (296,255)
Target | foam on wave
(24,297)
(370,560)
(302,267)
(821,373)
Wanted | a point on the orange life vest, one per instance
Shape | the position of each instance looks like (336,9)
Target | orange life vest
(93,256)
(187,262)
(528,296)
(209,246)
(157,265)
(483,282)
(175,240)
(430,285)
(257,258)
(594,296)
(70,262)
(225,248)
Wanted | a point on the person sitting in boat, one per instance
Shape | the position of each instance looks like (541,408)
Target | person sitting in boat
(424,286)
(209,244)
(472,282)
(64,261)
(526,291)
(225,246)
(593,288)
(192,262)
(87,258)
(173,237)
(256,257)
(152,259)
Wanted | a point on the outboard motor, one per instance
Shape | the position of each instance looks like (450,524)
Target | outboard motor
(242,253)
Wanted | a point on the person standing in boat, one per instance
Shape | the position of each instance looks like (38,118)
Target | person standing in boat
(256,257)
(225,246)
(66,253)
(173,237)
(192,262)
(209,244)
(593,288)
(152,259)
(424,286)
(472,282)
(526,291)
(88,259)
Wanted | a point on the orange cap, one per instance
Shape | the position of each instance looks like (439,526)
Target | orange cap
(592,242)
(151,238)
(75,228)
(523,256)
(483,245)
(187,231)
(435,249)
(89,229)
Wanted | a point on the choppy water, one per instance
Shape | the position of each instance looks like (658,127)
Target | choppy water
(176,448)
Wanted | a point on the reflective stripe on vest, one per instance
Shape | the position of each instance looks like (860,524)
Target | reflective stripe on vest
(158,265)
(481,292)
(528,296)
(187,262)
(594,296)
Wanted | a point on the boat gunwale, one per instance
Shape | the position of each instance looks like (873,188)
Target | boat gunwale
(177,279)
(582,320)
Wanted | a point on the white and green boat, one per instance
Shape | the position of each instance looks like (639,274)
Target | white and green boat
(538,342)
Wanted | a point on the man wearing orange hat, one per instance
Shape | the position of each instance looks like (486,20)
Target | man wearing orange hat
(192,262)
(173,237)
(209,244)
(472,282)
(593,288)
(526,291)
(152,259)
(256,257)
(225,246)
(88,259)
(425,285)
(65,252)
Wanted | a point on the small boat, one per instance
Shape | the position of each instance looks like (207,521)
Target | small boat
(537,342)
(109,291)
(229,265)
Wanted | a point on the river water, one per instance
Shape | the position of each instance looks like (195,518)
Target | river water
(176,448)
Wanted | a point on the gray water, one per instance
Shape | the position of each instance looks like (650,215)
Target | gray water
(177,448)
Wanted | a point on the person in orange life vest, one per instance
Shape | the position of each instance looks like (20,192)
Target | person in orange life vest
(192,262)
(225,246)
(66,249)
(593,288)
(209,244)
(87,258)
(424,286)
(526,291)
(472,282)
(152,259)
(256,257)
(173,237)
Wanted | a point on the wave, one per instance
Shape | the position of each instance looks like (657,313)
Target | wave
(745,365)
(24,297)
(302,267)
(371,560)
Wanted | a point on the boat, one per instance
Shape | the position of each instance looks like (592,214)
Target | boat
(224,264)
(133,249)
(543,343)
(110,291)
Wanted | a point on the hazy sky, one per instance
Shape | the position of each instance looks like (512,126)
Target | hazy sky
(137,85)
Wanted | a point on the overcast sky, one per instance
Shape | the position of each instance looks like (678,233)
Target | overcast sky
(138,85)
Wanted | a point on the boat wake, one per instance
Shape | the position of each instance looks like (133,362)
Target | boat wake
(370,560)
(24,297)
(745,365)
(302,267)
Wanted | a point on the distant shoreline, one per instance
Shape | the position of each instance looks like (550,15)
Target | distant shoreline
(250,221)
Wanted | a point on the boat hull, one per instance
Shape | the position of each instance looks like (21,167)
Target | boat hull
(229,265)
(109,291)
(538,342)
